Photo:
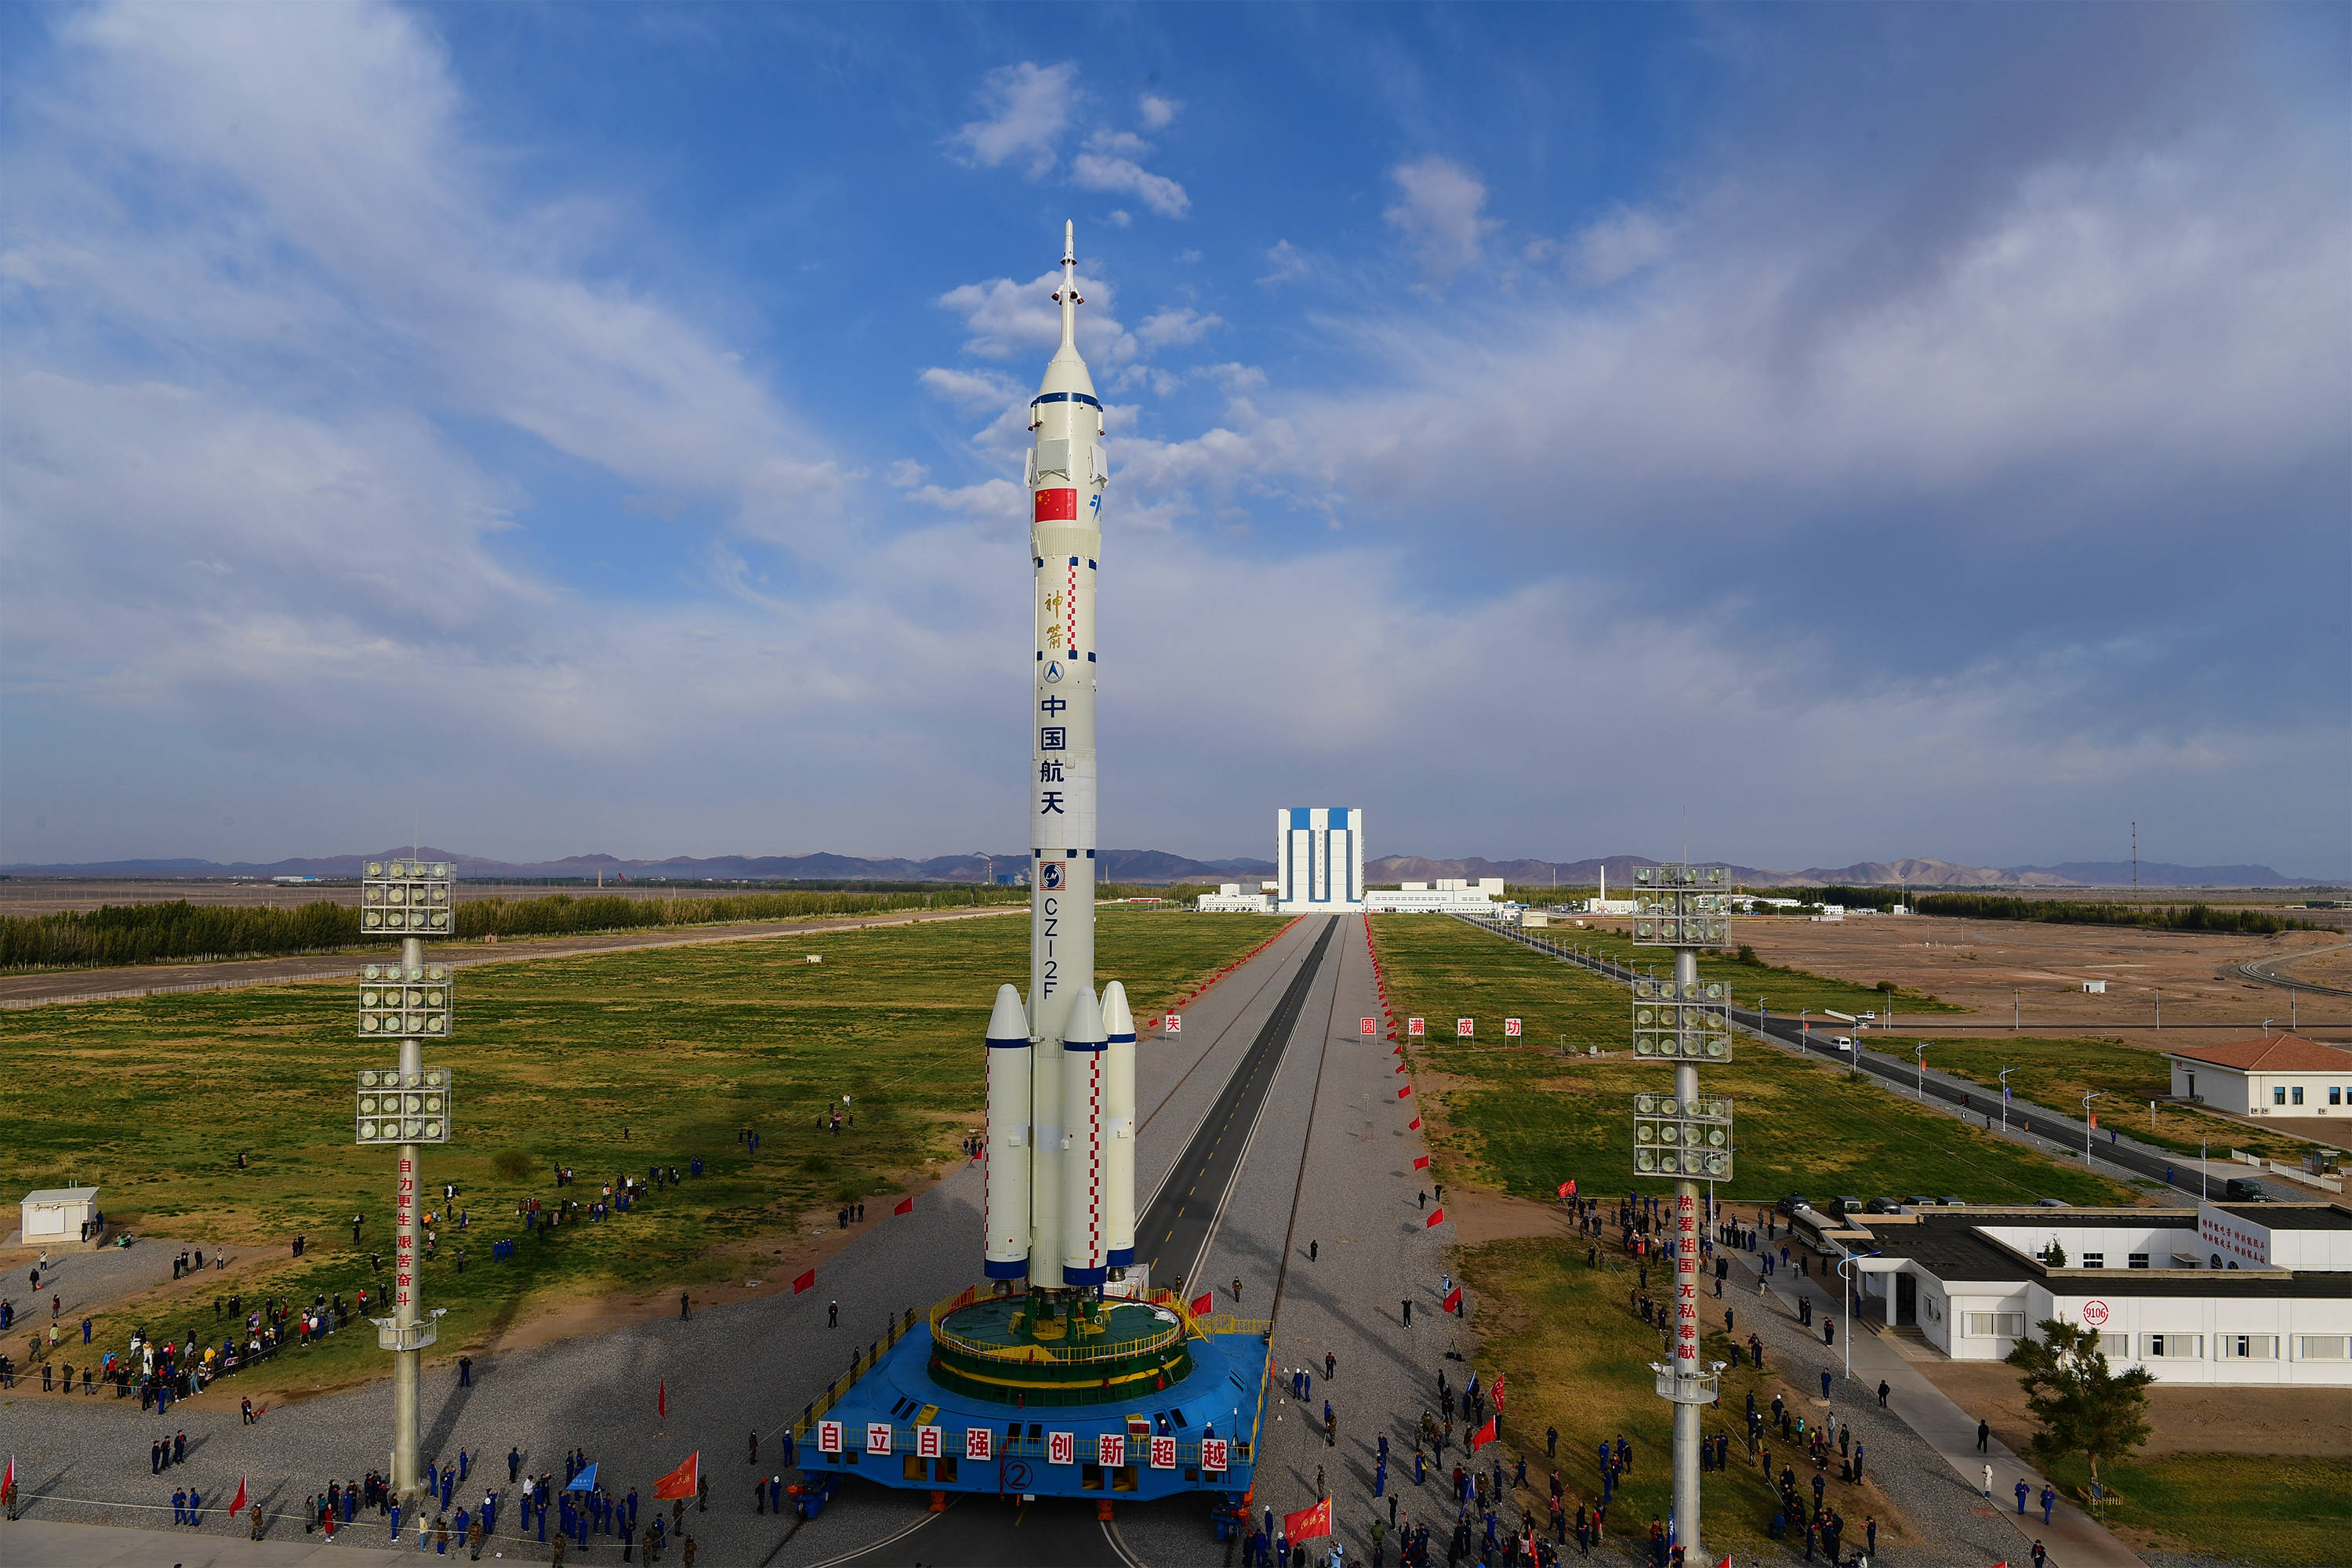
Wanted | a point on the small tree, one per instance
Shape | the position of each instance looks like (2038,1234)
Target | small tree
(2081,1405)
(2053,1255)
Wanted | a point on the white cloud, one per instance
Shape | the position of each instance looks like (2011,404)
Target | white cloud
(972,391)
(1617,246)
(1118,217)
(1100,172)
(1286,260)
(1120,143)
(1005,317)
(1172,328)
(1159,113)
(1028,108)
(1440,212)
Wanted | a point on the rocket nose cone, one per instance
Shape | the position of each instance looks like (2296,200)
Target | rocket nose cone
(1086,1019)
(1010,1021)
(1118,1021)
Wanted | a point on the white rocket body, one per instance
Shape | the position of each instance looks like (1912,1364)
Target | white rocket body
(1118,1128)
(1006,1217)
(1079,1145)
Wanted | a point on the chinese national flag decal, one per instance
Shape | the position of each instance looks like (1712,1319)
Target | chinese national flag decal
(681,1482)
(805,1283)
(1478,1439)
(1437,1217)
(906,1205)
(1057,505)
(1308,1523)
(1421,1162)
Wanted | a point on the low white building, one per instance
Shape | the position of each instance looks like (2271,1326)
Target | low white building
(1319,856)
(2284,1075)
(1446,896)
(1229,899)
(59,1213)
(2222,1293)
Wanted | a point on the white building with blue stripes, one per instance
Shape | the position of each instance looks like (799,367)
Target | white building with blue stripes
(1319,856)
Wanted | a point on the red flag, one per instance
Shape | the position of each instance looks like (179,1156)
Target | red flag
(1452,1299)
(8,1482)
(1400,1067)
(1437,1217)
(1421,1162)
(1308,1523)
(906,1205)
(1413,1125)
(661,1400)
(1498,1394)
(805,1283)
(1566,1188)
(239,1506)
(1203,1301)
(1403,1089)
(681,1482)
(1478,1439)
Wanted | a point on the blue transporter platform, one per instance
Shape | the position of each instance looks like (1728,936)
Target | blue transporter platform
(1044,1397)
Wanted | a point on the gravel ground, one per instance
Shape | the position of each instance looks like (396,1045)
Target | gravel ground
(730,1372)
(85,1282)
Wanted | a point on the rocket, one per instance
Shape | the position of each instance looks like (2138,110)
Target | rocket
(1061,1071)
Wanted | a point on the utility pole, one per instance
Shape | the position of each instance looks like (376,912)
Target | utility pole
(2004,1097)
(2134,861)
(2095,1094)
(1688,1135)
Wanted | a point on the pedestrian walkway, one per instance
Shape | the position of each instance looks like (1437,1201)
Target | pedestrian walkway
(2072,1538)
(46,1543)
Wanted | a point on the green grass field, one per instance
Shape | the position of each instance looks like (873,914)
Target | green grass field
(604,1063)
(1788,989)
(2286,1513)
(2057,1074)
(1578,1359)
(1521,1116)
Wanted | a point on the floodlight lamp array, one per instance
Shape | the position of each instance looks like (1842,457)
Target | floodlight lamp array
(1667,1028)
(1680,906)
(405,898)
(406,1001)
(395,1107)
(1693,1164)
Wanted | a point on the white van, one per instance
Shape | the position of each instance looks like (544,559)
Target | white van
(1843,1043)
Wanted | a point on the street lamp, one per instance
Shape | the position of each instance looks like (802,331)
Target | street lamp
(2004,1097)
(2159,1009)
(2095,1094)
(1919,1072)
(2201,1147)
(2266,1026)
(1845,1287)
(2016,1011)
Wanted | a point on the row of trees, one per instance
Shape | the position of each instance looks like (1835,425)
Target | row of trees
(116,934)
(2066,911)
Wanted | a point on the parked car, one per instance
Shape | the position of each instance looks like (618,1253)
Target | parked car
(1883,1206)
(2052,1204)
(1844,1207)
(1792,1202)
(2242,1189)
(1949,1201)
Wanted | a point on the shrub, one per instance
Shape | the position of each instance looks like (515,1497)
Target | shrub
(512,1164)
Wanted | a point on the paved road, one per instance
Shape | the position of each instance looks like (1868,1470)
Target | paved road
(2125,1156)
(1174,1232)
(157,979)
(2265,969)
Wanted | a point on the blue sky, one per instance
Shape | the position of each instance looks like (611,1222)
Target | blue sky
(1878,432)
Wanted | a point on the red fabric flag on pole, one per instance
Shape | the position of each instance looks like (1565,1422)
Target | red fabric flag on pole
(661,1400)
(1203,1302)
(1403,1089)
(1566,1188)
(807,1281)
(1452,1299)
(1421,1162)
(1308,1523)
(1413,1125)
(681,1482)
(1478,1439)
(1437,1217)
(1498,1394)
(239,1506)
(906,1205)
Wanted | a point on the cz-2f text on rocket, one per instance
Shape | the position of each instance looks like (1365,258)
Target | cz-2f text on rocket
(1061,1145)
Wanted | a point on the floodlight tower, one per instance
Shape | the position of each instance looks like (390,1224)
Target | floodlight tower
(406,1107)
(1687,1135)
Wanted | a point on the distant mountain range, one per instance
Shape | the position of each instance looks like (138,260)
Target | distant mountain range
(1155,866)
